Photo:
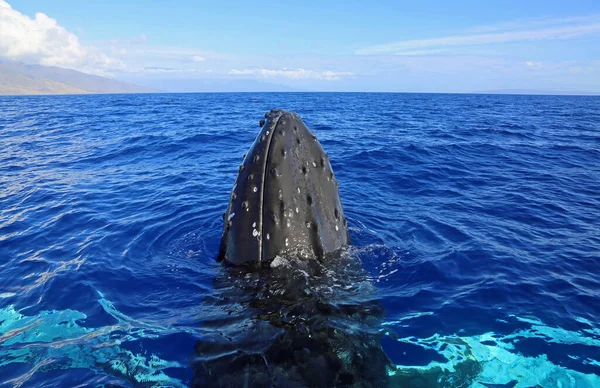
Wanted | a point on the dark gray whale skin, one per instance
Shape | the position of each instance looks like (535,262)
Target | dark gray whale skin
(289,322)
(285,197)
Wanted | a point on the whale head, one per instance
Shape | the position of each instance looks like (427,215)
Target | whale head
(285,197)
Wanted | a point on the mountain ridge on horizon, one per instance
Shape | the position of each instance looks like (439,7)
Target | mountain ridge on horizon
(18,78)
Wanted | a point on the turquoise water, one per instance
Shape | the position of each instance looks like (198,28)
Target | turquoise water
(474,220)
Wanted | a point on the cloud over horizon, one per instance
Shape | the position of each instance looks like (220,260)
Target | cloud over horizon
(294,74)
(558,29)
(43,41)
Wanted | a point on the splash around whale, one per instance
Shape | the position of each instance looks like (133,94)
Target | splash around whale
(285,198)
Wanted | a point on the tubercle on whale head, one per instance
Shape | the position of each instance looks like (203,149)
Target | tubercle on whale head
(285,197)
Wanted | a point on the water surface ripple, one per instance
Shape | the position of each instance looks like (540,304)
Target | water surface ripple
(476,217)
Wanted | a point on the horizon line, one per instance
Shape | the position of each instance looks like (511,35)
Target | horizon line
(507,92)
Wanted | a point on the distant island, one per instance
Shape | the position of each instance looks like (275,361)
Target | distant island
(17,78)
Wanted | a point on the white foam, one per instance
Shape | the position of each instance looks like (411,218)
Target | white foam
(278,261)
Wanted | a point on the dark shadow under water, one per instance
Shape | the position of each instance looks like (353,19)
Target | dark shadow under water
(297,323)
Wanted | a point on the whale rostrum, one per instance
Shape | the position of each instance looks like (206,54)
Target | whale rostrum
(285,197)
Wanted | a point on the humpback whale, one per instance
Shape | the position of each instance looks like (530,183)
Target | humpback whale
(298,310)
(285,197)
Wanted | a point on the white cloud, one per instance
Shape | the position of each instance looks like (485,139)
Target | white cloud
(294,74)
(533,65)
(420,52)
(578,27)
(166,52)
(139,56)
(172,70)
(534,23)
(242,72)
(43,41)
(141,38)
(198,58)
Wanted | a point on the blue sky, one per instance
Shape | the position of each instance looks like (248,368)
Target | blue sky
(430,46)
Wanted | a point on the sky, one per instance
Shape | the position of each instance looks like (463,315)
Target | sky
(401,46)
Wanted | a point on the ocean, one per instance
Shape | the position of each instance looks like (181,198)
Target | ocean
(475,220)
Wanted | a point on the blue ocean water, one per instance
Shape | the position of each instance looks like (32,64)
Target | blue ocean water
(475,217)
